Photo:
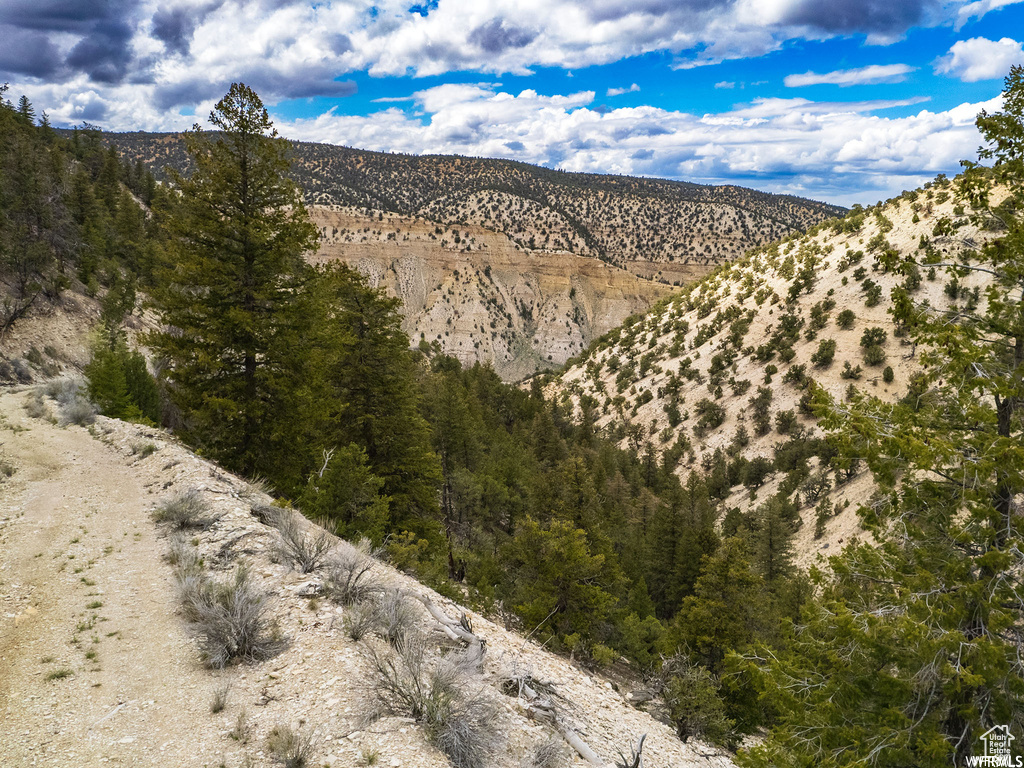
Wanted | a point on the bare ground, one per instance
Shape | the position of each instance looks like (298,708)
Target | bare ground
(98,667)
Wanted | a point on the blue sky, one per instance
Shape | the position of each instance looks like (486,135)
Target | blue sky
(839,100)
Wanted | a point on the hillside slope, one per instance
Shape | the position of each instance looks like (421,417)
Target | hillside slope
(479,296)
(98,665)
(644,225)
(723,370)
(512,264)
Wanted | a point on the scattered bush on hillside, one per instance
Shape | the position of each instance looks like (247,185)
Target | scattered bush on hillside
(302,549)
(873,336)
(825,353)
(232,617)
(845,319)
(188,509)
(710,416)
(874,355)
(888,375)
(760,405)
(871,341)
(785,421)
(438,695)
(850,372)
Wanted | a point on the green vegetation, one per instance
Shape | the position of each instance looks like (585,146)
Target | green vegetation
(912,650)
(901,653)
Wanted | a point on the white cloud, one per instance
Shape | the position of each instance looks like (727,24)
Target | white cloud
(725,84)
(875,73)
(980,59)
(978,9)
(841,152)
(188,50)
(619,91)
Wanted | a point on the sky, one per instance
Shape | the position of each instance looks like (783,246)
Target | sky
(845,101)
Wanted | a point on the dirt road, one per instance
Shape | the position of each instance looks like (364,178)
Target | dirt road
(93,660)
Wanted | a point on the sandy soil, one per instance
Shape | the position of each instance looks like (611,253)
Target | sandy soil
(83,591)
(98,667)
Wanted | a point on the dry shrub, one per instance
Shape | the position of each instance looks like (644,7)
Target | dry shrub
(35,407)
(62,390)
(78,411)
(394,617)
(185,510)
(360,620)
(348,577)
(439,695)
(232,616)
(549,754)
(303,550)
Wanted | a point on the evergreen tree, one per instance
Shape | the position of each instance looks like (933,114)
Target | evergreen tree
(915,647)
(237,232)
(371,396)
(345,494)
(725,610)
(555,582)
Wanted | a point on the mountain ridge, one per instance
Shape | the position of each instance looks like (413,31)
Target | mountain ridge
(618,242)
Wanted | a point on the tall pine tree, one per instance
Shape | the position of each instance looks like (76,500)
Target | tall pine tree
(237,234)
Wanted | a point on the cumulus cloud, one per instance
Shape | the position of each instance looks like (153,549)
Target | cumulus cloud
(171,42)
(619,91)
(727,84)
(873,74)
(842,152)
(978,9)
(980,59)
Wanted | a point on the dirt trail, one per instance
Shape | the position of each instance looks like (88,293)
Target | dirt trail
(83,591)
(98,668)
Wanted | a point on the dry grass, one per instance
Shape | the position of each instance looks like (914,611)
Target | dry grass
(219,700)
(185,510)
(289,747)
(439,695)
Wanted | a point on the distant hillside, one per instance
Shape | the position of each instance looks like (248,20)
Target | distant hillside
(632,222)
(717,379)
(512,264)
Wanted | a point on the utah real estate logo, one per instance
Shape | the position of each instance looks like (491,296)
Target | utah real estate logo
(997,750)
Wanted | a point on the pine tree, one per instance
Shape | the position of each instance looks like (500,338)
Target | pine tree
(915,646)
(237,233)
(370,389)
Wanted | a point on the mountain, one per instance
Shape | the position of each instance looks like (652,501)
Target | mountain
(102,659)
(717,379)
(508,263)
